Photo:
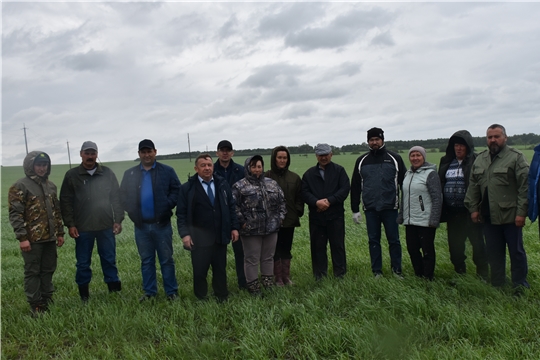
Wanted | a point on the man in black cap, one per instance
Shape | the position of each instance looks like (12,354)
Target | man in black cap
(454,172)
(232,172)
(325,187)
(91,209)
(377,179)
(149,193)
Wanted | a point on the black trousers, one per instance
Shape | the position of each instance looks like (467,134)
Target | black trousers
(319,235)
(459,228)
(421,248)
(498,238)
(239,263)
(201,260)
(284,244)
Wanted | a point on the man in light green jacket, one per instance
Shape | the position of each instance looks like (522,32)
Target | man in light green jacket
(497,197)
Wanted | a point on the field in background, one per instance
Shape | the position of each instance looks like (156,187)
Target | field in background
(358,317)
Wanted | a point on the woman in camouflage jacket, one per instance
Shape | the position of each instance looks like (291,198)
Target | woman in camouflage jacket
(260,208)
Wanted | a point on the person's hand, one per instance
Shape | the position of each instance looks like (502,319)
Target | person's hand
(357,217)
(59,241)
(25,246)
(520,221)
(73,232)
(475,217)
(322,205)
(188,243)
(117,228)
(234,235)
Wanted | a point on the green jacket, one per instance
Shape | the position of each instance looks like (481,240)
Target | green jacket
(34,211)
(91,202)
(506,181)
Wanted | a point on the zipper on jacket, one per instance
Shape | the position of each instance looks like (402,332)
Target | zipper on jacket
(421,202)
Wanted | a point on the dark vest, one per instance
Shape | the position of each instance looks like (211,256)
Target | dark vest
(206,218)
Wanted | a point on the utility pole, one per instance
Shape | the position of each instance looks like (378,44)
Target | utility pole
(69,156)
(189,147)
(25,141)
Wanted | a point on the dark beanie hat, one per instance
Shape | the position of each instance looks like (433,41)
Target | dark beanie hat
(375,132)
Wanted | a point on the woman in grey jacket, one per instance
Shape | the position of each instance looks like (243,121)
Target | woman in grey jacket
(260,208)
(421,211)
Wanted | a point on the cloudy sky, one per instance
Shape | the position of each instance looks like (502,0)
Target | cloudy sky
(261,74)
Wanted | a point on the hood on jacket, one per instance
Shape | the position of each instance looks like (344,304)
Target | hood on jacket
(273,164)
(247,173)
(29,161)
(464,136)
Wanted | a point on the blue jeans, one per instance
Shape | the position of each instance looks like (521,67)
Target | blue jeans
(106,245)
(388,218)
(152,239)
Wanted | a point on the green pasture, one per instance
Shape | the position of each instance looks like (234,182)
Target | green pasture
(354,318)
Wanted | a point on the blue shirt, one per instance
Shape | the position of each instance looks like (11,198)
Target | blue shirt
(147,194)
(205,187)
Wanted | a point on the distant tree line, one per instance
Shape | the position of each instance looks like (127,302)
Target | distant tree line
(398,146)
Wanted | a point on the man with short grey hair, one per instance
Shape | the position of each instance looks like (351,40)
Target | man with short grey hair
(497,197)
(325,187)
(91,209)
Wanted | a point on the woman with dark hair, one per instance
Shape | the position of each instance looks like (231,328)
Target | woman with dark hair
(260,208)
(420,211)
(291,184)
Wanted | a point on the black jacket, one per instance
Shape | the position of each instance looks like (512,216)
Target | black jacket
(377,177)
(165,185)
(447,159)
(91,202)
(184,209)
(335,187)
(231,174)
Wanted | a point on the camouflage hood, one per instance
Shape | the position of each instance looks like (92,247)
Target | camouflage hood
(29,161)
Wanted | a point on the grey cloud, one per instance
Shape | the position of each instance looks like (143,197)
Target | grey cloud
(298,110)
(384,39)
(290,18)
(342,31)
(364,20)
(348,69)
(465,97)
(274,75)
(91,60)
(311,39)
(229,28)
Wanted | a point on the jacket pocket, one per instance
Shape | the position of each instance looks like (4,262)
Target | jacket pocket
(500,177)
(507,205)
(421,201)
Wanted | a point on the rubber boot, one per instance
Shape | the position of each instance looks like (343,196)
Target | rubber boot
(278,280)
(286,271)
(84,292)
(114,286)
(254,288)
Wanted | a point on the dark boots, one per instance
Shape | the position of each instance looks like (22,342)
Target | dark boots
(254,287)
(114,286)
(286,271)
(278,280)
(267,281)
(84,292)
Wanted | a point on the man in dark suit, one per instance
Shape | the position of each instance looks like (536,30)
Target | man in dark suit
(207,223)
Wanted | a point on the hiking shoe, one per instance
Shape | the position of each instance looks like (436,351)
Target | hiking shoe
(172,297)
(378,276)
(398,276)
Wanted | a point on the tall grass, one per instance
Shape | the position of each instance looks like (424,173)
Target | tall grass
(357,317)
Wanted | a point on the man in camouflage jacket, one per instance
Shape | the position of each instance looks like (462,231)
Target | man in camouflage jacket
(34,214)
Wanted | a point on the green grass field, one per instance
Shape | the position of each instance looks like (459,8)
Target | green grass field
(358,317)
